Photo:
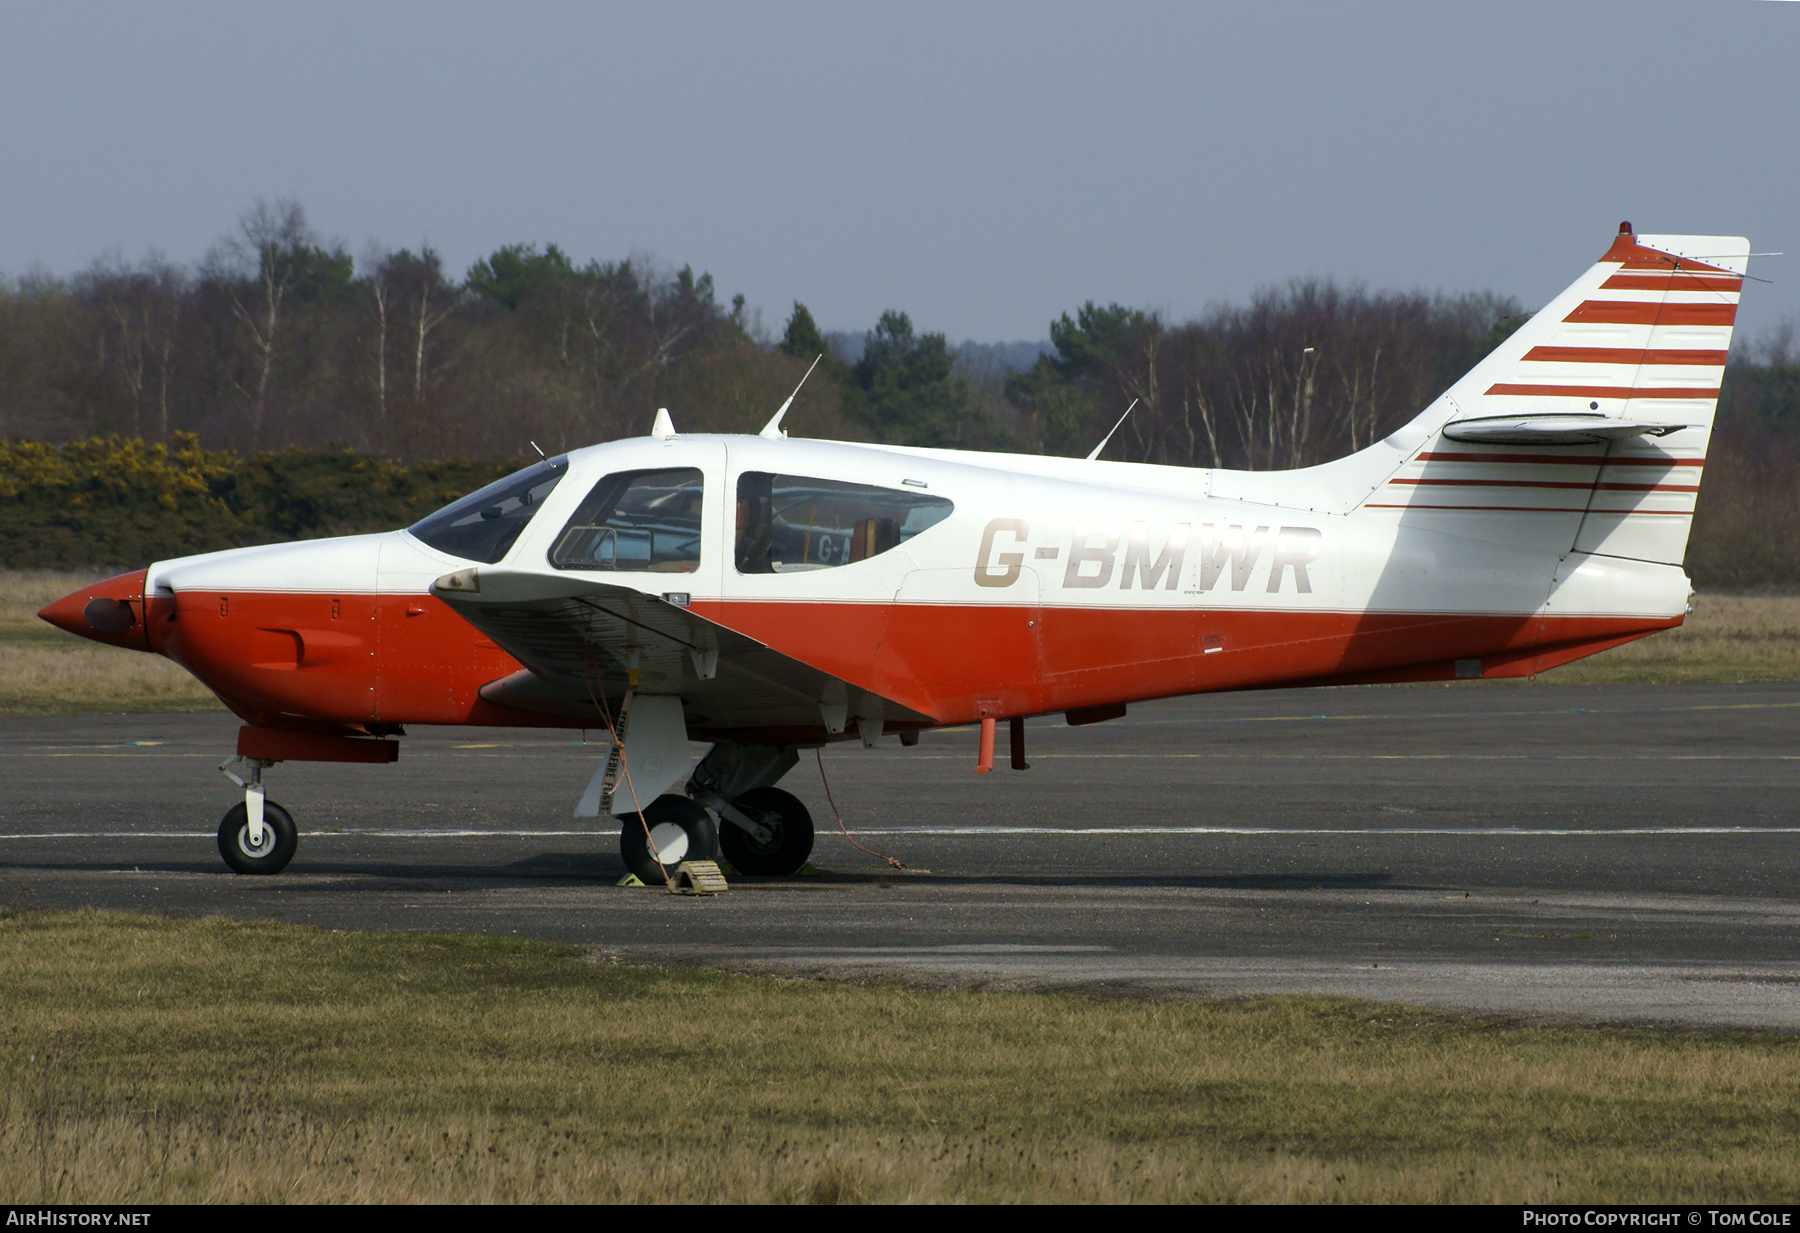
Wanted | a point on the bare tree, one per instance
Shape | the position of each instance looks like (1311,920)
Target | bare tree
(412,301)
(140,309)
(1139,380)
(257,263)
(376,259)
(427,316)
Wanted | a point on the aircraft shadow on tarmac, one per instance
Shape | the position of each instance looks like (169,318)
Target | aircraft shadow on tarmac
(576,869)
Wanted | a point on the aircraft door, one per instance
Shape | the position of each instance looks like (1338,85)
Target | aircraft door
(649,526)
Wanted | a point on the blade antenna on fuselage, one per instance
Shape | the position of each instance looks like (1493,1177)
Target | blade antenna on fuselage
(1109,435)
(772,429)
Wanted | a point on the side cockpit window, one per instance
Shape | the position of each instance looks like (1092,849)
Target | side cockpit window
(636,520)
(485,524)
(790,523)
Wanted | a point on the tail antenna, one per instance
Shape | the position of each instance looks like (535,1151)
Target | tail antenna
(1109,435)
(772,429)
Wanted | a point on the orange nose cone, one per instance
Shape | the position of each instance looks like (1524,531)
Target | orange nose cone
(111,612)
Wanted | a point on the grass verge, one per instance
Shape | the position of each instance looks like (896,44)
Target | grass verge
(44,671)
(86,678)
(1727,638)
(152,1060)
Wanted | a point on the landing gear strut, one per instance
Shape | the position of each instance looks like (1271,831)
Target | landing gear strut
(786,839)
(257,836)
(762,830)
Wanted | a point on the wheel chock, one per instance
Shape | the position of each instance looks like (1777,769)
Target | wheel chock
(810,870)
(630,879)
(698,878)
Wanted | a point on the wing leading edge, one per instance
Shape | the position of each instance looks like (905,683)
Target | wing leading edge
(580,640)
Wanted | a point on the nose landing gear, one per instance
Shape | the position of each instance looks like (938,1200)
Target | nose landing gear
(257,836)
(267,852)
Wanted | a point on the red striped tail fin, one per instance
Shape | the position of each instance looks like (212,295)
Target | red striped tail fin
(1591,422)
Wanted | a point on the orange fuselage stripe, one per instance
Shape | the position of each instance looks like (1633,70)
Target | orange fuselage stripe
(280,659)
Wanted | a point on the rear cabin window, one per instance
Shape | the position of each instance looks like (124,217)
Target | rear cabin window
(636,520)
(484,525)
(790,523)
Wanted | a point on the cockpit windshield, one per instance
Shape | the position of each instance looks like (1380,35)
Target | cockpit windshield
(484,525)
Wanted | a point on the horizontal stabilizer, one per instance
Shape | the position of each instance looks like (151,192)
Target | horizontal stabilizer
(1553,429)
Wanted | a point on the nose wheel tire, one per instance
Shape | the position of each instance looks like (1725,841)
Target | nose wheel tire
(279,839)
(785,854)
(680,830)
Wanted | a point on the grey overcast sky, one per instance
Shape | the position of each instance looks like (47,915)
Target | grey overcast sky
(983,166)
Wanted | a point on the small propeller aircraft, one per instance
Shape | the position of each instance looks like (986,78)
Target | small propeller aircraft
(769,594)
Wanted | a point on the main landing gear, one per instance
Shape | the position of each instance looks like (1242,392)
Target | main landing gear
(760,829)
(256,836)
(782,844)
(765,831)
(678,830)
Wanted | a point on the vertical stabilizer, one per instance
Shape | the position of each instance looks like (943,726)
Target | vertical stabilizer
(1600,406)
(1586,430)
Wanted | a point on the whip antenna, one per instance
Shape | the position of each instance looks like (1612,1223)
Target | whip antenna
(772,429)
(1108,436)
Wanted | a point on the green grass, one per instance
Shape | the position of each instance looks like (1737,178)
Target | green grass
(145,1060)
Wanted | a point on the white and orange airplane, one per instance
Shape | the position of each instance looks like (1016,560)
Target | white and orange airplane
(770,595)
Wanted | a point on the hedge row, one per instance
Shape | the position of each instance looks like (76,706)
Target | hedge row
(109,501)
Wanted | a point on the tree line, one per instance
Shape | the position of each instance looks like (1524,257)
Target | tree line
(278,340)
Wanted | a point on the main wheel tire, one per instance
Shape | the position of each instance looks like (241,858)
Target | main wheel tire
(280,838)
(681,831)
(782,813)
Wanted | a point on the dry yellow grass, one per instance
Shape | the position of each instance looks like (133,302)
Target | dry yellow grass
(23,592)
(147,1060)
(44,671)
(86,677)
(1728,638)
